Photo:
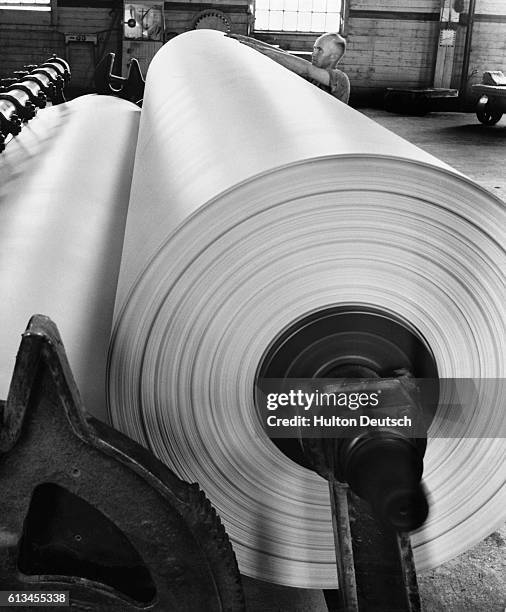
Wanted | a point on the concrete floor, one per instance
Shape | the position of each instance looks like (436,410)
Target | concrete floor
(473,582)
(459,139)
(476,580)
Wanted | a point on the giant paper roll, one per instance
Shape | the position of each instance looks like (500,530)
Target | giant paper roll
(257,199)
(65,185)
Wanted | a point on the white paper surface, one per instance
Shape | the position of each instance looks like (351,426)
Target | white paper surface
(256,199)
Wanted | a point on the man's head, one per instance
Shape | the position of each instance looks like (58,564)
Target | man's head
(328,49)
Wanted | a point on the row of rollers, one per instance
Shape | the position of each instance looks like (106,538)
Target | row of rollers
(28,90)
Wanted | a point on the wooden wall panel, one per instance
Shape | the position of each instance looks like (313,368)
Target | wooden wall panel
(488,49)
(491,7)
(22,44)
(489,36)
(196,4)
(177,21)
(31,38)
(390,50)
(83,57)
(390,42)
(32,44)
(396,5)
(179,18)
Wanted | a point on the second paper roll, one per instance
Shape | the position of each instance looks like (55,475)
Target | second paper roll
(258,199)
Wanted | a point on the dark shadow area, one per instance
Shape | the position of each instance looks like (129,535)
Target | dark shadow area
(478,129)
(64,535)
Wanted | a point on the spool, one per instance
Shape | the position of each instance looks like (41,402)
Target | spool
(258,200)
(62,219)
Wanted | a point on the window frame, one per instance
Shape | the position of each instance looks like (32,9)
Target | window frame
(32,6)
(343,12)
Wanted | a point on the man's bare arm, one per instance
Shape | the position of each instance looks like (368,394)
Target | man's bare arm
(253,42)
(296,64)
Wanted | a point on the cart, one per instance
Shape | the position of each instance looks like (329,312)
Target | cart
(492,102)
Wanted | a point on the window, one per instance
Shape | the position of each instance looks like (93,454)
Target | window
(298,15)
(26,5)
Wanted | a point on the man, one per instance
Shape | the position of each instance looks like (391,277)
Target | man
(328,49)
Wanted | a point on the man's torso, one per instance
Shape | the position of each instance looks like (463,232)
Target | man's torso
(339,85)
